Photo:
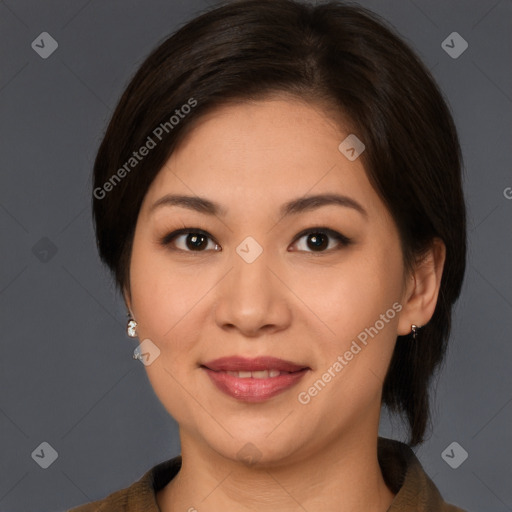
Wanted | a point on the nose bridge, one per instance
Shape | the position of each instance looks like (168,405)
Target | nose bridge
(251,297)
(250,273)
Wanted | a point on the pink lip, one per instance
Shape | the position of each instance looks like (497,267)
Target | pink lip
(253,389)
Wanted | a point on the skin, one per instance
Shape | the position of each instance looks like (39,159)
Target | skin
(292,302)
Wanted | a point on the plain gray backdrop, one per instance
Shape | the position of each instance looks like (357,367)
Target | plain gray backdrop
(66,370)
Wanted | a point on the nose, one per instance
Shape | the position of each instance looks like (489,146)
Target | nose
(251,299)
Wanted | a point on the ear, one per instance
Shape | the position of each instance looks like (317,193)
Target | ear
(422,289)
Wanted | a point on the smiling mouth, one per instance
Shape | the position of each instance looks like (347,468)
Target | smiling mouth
(253,380)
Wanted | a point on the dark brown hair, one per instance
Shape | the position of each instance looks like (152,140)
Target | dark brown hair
(344,58)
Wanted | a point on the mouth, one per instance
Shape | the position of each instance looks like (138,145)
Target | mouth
(253,380)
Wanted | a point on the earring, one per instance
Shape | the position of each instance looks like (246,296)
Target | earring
(131,328)
(414,331)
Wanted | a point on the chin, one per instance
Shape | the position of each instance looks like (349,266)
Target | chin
(258,448)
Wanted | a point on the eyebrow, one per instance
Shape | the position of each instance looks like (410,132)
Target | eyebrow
(296,206)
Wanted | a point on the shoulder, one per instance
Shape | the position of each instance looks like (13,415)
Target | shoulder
(404,475)
(141,495)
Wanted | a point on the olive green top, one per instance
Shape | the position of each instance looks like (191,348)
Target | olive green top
(400,467)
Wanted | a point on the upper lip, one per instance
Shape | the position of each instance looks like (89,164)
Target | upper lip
(238,363)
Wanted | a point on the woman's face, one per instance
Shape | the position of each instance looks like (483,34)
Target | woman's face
(254,285)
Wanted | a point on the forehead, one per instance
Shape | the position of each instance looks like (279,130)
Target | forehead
(258,153)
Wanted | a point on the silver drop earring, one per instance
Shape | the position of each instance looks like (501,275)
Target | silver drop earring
(414,331)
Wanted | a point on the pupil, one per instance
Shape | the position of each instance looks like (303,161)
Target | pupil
(195,241)
(318,241)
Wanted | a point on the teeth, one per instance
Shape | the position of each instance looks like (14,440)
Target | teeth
(261,374)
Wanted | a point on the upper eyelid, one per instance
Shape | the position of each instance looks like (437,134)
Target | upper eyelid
(320,229)
(168,237)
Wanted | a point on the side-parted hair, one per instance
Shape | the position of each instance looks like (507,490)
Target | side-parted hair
(346,60)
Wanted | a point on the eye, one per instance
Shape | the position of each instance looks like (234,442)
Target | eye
(317,240)
(190,240)
(197,240)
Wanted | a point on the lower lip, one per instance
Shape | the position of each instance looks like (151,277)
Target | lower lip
(254,390)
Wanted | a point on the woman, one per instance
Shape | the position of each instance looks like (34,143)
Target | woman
(279,198)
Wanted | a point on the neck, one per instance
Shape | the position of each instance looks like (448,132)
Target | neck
(344,476)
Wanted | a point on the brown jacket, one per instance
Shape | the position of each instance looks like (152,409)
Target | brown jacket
(415,492)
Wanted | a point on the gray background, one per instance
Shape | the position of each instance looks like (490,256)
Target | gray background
(66,369)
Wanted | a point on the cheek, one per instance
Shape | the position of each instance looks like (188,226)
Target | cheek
(162,294)
(351,296)
(359,304)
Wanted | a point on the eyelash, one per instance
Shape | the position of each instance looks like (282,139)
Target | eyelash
(343,241)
